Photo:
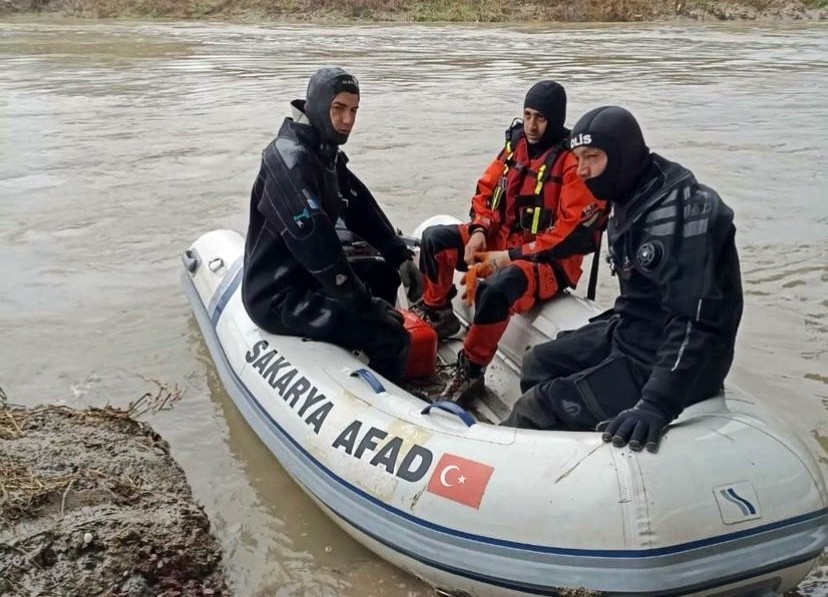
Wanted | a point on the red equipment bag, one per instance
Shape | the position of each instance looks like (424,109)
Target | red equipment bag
(422,356)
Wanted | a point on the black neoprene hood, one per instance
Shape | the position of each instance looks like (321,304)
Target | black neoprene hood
(549,98)
(616,131)
(322,88)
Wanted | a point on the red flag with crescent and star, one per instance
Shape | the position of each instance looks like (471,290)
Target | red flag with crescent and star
(460,479)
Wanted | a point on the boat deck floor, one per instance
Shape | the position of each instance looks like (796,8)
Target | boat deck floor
(502,383)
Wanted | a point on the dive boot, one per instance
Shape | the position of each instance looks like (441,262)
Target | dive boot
(442,319)
(465,380)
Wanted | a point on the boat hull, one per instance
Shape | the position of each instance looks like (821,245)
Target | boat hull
(733,504)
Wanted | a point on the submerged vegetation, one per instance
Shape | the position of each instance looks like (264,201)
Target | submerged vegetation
(431,10)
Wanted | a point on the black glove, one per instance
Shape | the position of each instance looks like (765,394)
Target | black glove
(382,311)
(412,280)
(641,426)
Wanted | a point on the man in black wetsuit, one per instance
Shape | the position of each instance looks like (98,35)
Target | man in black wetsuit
(297,278)
(669,341)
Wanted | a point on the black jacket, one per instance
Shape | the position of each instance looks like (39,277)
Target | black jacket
(672,246)
(292,247)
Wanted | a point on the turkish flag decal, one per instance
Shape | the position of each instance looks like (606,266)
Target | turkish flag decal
(460,479)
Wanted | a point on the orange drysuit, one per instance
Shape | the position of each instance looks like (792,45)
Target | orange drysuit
(542,213)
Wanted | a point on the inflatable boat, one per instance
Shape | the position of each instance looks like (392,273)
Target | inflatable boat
(732,504)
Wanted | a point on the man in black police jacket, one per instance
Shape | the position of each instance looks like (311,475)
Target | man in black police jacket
(297,278)
(668,342)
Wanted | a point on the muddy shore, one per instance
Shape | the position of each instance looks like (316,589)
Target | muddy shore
(92,503)
(481,11)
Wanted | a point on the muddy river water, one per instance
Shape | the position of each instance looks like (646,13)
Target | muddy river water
(121,142)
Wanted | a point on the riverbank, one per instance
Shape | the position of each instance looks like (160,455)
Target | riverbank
(488,11)
(92,503)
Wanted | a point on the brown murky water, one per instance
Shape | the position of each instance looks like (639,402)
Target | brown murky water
(122,142)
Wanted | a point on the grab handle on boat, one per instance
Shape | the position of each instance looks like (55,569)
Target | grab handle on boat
(453,408)
(190,260)
(369,377)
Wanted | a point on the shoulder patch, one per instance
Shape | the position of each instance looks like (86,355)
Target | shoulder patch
(310,200)
(300,218)
(650,255)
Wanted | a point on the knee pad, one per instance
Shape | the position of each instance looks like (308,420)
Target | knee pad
(510,282)
(438,237)
(428,236)
(562,399)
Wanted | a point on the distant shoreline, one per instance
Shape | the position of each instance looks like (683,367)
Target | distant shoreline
(421,11)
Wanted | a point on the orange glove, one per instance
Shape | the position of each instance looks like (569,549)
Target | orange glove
(481,269)
(495,260)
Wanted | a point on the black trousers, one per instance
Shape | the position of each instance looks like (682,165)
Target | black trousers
(307,311)
(575,381)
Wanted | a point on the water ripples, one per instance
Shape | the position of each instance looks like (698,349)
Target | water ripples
(121,142)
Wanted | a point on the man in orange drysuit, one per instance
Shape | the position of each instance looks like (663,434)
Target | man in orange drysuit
(532,220)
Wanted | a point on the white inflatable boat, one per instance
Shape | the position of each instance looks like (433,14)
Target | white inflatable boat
(732,504)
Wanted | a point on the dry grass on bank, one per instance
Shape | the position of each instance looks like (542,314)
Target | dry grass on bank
(431,10)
